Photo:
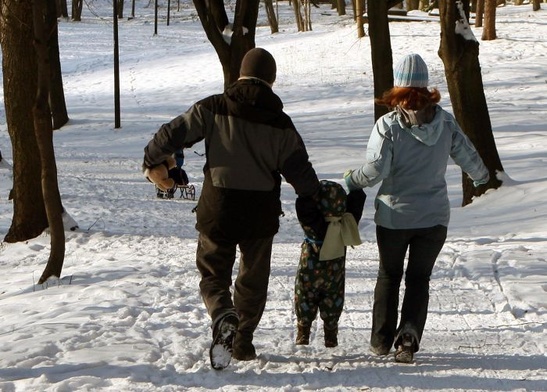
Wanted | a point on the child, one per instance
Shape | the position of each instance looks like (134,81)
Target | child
(320,278)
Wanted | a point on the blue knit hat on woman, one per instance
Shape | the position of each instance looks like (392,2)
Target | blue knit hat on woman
(411,71)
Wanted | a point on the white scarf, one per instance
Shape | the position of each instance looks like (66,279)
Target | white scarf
(341,232)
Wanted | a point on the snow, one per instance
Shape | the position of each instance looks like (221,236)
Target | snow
(127,315)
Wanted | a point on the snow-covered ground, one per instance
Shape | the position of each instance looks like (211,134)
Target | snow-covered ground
(127,315)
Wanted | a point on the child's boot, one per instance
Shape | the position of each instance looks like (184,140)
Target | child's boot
(303,334)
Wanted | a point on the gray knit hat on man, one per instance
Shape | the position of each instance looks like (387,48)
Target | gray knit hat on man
(411,71)
(258,63)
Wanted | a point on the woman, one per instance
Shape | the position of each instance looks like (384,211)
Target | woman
(408,152)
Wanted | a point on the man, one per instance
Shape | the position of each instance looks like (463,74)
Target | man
(249,142)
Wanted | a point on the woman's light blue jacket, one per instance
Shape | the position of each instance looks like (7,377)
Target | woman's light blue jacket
(411,162)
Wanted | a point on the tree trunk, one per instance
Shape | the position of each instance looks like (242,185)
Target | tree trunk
(62,9)
(119,8)
(359,18)
(479,13)
(218,12)
(230,50)
(19,70)
(297,5)
(489,31)
(412,5)
(77,10)
(272,18)
(56,93)
(341,6)
(243,38)
(381,55)
(459,51)
(44,136)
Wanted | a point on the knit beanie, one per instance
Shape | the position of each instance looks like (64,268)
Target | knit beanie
(258,63)
(411,71)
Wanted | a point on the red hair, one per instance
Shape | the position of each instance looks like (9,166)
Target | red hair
(411,98)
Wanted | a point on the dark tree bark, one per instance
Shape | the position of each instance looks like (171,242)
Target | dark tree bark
(218,12)
(459,51)
(381,54)
(119,8)
(62,9)
(56,93)
(230,50)
(44,136)
(77,10)
(20,85)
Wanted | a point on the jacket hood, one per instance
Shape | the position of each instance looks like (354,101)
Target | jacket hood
(253,99)
(424,125)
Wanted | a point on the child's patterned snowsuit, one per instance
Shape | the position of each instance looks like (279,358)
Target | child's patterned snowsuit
(319,283)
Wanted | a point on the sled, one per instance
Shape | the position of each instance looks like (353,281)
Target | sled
(186,192)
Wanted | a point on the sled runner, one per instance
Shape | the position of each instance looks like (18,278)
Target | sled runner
(187,192)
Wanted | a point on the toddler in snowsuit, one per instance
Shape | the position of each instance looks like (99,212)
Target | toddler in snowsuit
(320,279)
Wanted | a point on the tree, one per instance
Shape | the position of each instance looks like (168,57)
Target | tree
(380,47)
(119,8)
(57,102)
(358,12)
(62,8)
(459,51)
(43,131)
(489,31)
(229,48)
(77,6)
(19,68)
(479,13)
(272,16)
(36,198)
(341,7)
(302,14)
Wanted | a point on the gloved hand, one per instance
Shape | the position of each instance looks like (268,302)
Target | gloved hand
(159,175)
(349,182)
(309,216)
(355,203)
